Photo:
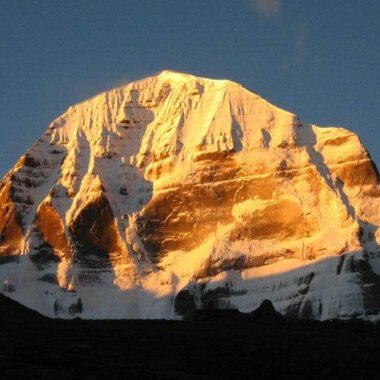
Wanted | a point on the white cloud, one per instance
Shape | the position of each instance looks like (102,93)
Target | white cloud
(266,7)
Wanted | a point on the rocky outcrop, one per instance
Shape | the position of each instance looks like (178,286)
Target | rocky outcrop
(168,188)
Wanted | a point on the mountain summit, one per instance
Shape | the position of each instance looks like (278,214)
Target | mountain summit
(174,193)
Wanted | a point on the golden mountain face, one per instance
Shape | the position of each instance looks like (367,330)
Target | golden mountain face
(177,180)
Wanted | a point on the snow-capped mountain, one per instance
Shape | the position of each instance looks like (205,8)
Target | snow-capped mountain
(177,192)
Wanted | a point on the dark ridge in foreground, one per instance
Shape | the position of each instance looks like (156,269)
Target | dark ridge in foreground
(215,345)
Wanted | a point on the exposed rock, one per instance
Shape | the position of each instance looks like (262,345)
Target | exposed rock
(266,312)
(184,305)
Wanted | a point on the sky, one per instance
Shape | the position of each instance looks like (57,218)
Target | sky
(319,59)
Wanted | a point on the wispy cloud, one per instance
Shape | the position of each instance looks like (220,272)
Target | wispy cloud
(300,43)
(266,7)
(298,54)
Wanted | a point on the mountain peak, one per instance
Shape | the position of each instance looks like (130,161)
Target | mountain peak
(174,74)
(192,189)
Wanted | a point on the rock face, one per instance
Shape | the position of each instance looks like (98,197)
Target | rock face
(177,188)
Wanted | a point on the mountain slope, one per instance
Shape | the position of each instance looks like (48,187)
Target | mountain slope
(178,192)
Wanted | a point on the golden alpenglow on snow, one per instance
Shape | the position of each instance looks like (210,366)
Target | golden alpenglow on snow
(174,193)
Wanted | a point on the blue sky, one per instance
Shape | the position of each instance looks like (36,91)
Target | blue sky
(319,59)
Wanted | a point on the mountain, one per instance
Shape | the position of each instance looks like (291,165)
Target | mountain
(174,193)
